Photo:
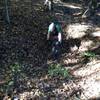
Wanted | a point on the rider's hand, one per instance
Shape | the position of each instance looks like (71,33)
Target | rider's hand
(59,37)
(47,38)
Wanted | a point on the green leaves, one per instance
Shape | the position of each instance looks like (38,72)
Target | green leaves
(58,70)
(15,67)
(89,54)
(10,83)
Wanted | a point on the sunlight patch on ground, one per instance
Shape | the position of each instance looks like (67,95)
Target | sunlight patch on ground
(85,45)
(73,6)
(89,69)
(98,14)
(90,81)
(70,61)
(91,89)
(77,30)
(32,94)
(96,34)
(26,95)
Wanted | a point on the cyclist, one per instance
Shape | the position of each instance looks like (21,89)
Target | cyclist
(55,37)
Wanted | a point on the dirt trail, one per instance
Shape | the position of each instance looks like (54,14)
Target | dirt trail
(90,80)
(88,72)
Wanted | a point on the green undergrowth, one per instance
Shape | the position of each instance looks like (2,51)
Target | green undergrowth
(14,74)
(57,70)
(89,54)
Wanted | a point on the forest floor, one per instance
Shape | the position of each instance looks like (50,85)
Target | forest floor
(24,43)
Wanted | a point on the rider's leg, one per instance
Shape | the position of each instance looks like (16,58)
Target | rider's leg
(56,50)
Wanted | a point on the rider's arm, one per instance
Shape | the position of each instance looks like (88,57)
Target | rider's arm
(49,31)
(48,35)
(60,37)
(58,26)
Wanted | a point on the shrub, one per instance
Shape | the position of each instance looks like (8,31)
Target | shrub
(89,54)
(58,70)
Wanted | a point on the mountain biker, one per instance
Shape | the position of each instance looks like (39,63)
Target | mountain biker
(55,37)
(54,31)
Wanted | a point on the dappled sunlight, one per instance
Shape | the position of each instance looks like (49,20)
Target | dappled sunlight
(96,34)
(85,45)
(72,6)
(90,80)
(98,14)
(77,30)
(26,95)
(71,62)
(89,68)
(67,8)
